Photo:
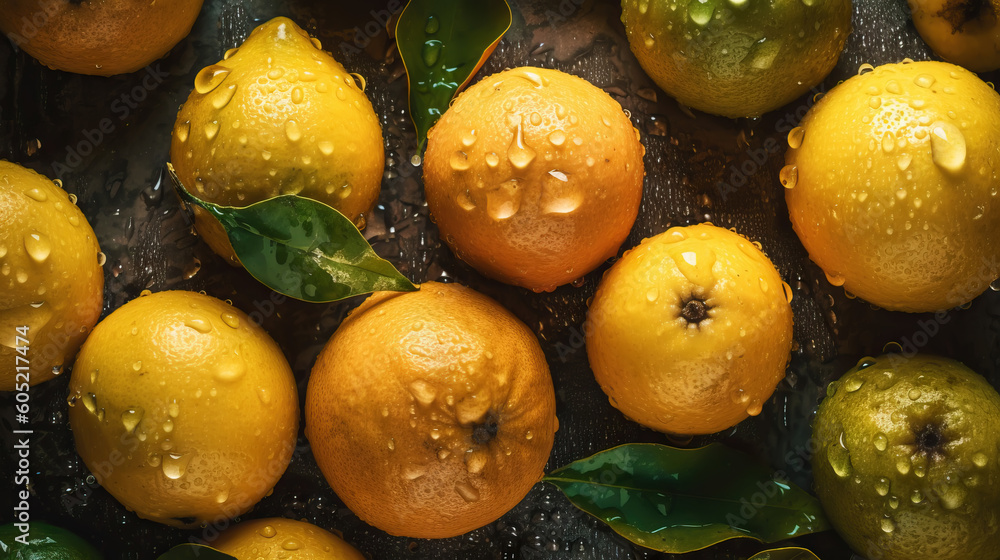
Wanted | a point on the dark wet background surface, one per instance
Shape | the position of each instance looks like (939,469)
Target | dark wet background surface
(122,189)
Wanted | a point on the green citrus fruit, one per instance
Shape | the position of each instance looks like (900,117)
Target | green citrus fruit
(733,57)
(907,462)
(45,542)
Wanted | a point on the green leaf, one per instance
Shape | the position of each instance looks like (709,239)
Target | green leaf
(302,248)
(442,45)
(680,500)
(194,552)
(790,553)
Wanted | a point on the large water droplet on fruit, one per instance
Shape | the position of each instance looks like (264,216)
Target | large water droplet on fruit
(696,266)
(882,486)
(887,525)
(476,461)
(924,80)
(852,384)
(559,195)
(467,491)
(175,465)
(292,131)
(224,96)
(231,319)
(460,161)
(789,175)
(37,195)
(947,146)
(504,201)
(701,11)
(839,458)
(267,532)
(795,137)
(231,371)
(519,154)
(291,544)
(209,78)
(424,392)
(199,324)
(38,247)
(980,459)
(131,418)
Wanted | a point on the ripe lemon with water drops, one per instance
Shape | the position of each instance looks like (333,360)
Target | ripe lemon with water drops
(276,538)
(690,331)
(965,32)
(431,413)
(184,409)
(534,177)
(97,37)
(907,463)
(736,58)
(892,185)
(277,116)
(51,281)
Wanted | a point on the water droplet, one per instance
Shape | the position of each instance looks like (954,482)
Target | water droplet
(882,486)
(903,466)
(980,459)
(137,366)
(131,418)
(291,544)
(947,146)
(464,200)
(231,319)
(211,130)
(264,395)
(229,54)
(839,458)
(789,175)
(701,11)
(559,195)
(874,102)
(173,409)
(864,69)
(880,441)
(90,402)
(460,161)
(224,96)
(504,201)
(835,279)
(476,461)
(37,245)
(230,372)
(924,80)
(467,491)
(892,86)
(174,465)
(519,154)
(297,95)
(852,384)
(652,294)
(199,324)
(888,142)
(914,394)
(952,496)
(893,502)
(755,408)
(267,531)
(532,77)
(795,137)
(887,525)
(432,25)
(557,138)
(37,195)
(209,78)
(292,131)
(325,147)
(424,392)
(431,52)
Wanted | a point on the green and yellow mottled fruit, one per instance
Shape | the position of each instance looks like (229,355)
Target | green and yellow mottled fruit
(907,463)
(51,282)
(277,116)
(733,57)
(45,542)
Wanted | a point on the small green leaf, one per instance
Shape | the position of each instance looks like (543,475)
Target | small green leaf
(790,553)
(680,500)
(302,248)
(442,48)
(194,552)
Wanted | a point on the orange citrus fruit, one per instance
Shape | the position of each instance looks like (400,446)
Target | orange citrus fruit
(97,37)
(737,58)
(893,181)
(51,281)
(690,331)
(277,116)
(431,413)
(534,177)
(276,538)
(183,408)
(965,32)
